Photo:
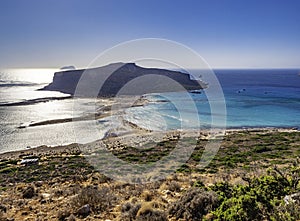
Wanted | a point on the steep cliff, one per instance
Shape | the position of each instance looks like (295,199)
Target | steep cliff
(121,78)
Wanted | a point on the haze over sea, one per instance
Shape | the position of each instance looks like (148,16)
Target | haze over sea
(254,98)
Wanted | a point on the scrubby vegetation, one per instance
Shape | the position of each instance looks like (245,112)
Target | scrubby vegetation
(254,176)
(194,204)
(98,200)
(262,197)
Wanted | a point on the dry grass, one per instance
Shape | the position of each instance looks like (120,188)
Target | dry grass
(62,184)
(194,204)
(98,199)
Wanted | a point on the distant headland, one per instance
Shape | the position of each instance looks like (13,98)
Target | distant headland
(70,67)
(108,80)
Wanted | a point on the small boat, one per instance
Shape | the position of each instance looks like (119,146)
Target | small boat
(195,92)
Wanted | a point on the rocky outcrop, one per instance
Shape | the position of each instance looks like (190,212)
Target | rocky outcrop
(121,78)
(70,67)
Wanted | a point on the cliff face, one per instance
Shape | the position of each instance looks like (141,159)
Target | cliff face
(120,78)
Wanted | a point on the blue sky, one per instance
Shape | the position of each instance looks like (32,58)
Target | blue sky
(226,33)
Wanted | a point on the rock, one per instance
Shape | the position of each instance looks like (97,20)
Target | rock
(39,183)
(115,76)
(29,161)
(24,213)
(43,201)
(3,208)
(84,210)
(62,215)
(292,198)
(46,195)
(71,218)
(29,192)
(70,67)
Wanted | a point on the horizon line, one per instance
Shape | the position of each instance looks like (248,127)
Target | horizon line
(213,68)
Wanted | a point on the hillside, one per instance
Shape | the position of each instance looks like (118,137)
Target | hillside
(254,176)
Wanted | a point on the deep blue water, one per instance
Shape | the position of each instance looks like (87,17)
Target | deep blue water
(261,98)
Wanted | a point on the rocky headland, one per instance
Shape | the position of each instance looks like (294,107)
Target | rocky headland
(110,80)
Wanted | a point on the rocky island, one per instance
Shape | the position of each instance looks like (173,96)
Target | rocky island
(107,81)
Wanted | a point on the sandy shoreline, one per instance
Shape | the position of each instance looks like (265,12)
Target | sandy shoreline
(128,133)
(35,101)
(136,136)
(108,108)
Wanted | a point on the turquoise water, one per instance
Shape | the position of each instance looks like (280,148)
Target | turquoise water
(253,98)
(270,98)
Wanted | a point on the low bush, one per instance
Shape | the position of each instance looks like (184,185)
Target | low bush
(147,213)
(129,211)
(98,199)
(262,198)
(141,212)
(194,204)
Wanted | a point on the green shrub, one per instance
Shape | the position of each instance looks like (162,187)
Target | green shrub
(261,149)
(244,207)
(261,199)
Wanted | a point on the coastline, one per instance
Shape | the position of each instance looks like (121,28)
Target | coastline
(126,130)
(110,107)
(136,135)
(35,101)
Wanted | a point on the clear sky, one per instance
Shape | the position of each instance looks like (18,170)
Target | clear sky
(226,33)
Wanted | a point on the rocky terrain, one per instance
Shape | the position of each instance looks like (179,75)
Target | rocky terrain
(59,183)
(107,81)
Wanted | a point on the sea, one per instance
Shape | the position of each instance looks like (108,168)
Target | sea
(252,98)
